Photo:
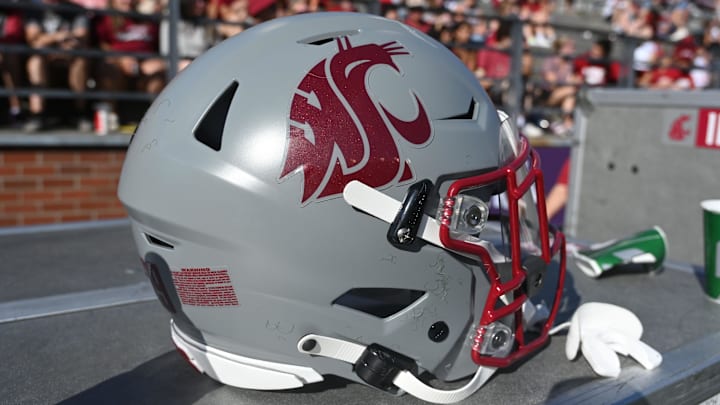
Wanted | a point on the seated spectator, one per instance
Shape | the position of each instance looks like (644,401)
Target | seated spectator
(700,73)
(537,31)
(462,46)
(11,33)
(194,37)
(151,6)
(391,12)
(711,36)
(63,31)
(338,5)
(647,54)
(494,61)
(679,19)
(440,21)
(414,19)
(126,33)
(560,82)
(222,9)
(238,17)
(595,67)
(673,73)
(480,33)
(297,7)
(92,4)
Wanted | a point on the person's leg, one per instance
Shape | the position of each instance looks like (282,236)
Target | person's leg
(10,72)
(77,80)
(38,77)
(153,71)
(110,77)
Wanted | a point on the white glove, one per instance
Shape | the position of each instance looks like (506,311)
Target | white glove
(601,330)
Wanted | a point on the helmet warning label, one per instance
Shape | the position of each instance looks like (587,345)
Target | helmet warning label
(204,287)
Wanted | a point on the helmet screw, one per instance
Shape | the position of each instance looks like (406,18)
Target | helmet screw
(538,280)
(438,331)
(403,235)
(499,339)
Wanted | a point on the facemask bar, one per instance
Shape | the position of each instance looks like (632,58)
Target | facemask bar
(489,326)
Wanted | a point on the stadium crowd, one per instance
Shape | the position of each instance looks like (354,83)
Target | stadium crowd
(675,45)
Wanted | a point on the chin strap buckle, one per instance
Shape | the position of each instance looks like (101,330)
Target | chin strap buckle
(378,366)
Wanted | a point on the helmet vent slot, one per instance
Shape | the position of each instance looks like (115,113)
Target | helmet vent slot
(469,115)
(209,131)
(328,37)
(158,242)
(379,302)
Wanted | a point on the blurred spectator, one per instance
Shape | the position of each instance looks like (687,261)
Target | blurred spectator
(493,61)
(711,36)
(150,6)
(126,33)
(480,33)
(338,5)
(700,74)
(11,33)
(194,37)
(673,73)
(595,67)
(391,12)
(223,9)
(414,19)
(648,53)
(62,30)
(679,17)
(560,83)
(238,16)
(440,20)
(213,9)
(537,31)
(297,7)
(92,4)
(462,46)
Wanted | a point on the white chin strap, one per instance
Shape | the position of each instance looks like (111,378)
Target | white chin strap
(405,380)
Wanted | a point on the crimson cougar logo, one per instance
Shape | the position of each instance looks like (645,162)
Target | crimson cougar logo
(338,133)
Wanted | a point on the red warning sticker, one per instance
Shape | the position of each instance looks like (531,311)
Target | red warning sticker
(204,287)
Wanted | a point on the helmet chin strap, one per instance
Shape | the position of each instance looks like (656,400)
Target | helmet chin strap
(405,380)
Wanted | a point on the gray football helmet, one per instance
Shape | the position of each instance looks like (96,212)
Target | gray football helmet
(335,194)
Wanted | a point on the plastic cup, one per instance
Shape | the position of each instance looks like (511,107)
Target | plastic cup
(647,248)
(711,234)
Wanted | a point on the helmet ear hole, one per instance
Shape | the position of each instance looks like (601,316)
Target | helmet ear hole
(209,131)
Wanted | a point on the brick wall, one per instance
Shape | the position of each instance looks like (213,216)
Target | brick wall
(53,186)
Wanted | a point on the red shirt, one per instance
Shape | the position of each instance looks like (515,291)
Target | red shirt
(131,35)
(11,28)
(677,77)
(597,73)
